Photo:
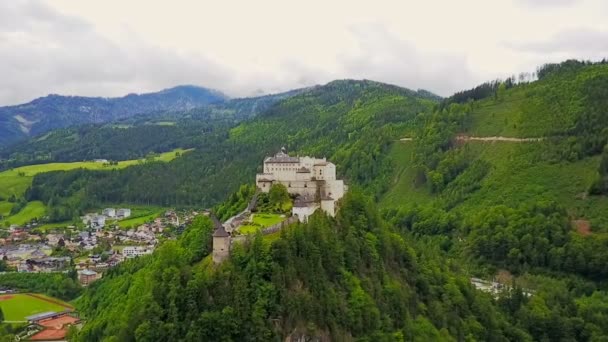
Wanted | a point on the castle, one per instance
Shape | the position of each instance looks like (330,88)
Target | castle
(312,180)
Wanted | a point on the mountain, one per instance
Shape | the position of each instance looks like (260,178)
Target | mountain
(56,111)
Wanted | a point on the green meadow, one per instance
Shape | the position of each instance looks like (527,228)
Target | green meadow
(260,221)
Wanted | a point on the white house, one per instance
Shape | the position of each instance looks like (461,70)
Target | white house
(109,212)
(134,251)
(123,213)
(98,221)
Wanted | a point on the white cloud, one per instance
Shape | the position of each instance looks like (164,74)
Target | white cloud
(549,3)
(581,41)
(114,47)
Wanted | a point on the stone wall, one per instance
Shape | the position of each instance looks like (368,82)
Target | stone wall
(276,227)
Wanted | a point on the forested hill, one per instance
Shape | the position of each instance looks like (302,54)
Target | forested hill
(352,122)
(344,279)
(55,111)
(136,136)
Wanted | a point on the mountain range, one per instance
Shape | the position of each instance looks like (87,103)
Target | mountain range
(55,111)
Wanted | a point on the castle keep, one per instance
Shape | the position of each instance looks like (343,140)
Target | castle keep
(312,180)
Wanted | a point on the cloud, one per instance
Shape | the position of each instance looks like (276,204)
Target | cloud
(45,52)
(584,42)
(549,3)
(383,56)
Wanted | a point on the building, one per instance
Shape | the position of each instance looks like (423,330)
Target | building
(135,251)
(85,277)
(94,220)
(98,221)
(123,213)
(221,242)
(109,212)
(53,239)
(312,179)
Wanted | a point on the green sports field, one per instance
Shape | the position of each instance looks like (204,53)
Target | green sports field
(18,306)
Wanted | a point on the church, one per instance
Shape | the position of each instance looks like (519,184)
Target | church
(312,180)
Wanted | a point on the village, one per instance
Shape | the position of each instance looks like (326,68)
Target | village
(90,248)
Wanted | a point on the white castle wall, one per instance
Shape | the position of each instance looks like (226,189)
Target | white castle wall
(321,180)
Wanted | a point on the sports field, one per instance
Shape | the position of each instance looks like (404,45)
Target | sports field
(18,306)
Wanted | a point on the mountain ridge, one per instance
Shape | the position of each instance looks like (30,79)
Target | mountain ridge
(58,111)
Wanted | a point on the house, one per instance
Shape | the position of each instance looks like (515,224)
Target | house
(134,251)
(109,212)
(123,213)
(53,239)
(85,277)
(98,221)
(311,178)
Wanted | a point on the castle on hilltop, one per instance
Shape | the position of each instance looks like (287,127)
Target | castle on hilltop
(312,180)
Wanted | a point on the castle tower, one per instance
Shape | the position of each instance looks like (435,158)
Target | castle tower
(221,242)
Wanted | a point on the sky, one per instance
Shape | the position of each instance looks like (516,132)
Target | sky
(247,48)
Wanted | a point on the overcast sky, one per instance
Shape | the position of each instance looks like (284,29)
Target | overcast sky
(115,47)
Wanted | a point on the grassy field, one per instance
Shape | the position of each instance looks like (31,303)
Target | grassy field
(402,190)
(260,221)
(495,118)
(34,209)
(16,181)
(517,176)
(19,306)
(5,208)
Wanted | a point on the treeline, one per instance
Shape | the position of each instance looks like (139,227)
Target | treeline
(571,65)
(59,285)
(112,142)
(531,237)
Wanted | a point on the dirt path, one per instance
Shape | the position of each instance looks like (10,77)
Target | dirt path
(497,138)
(463,137)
